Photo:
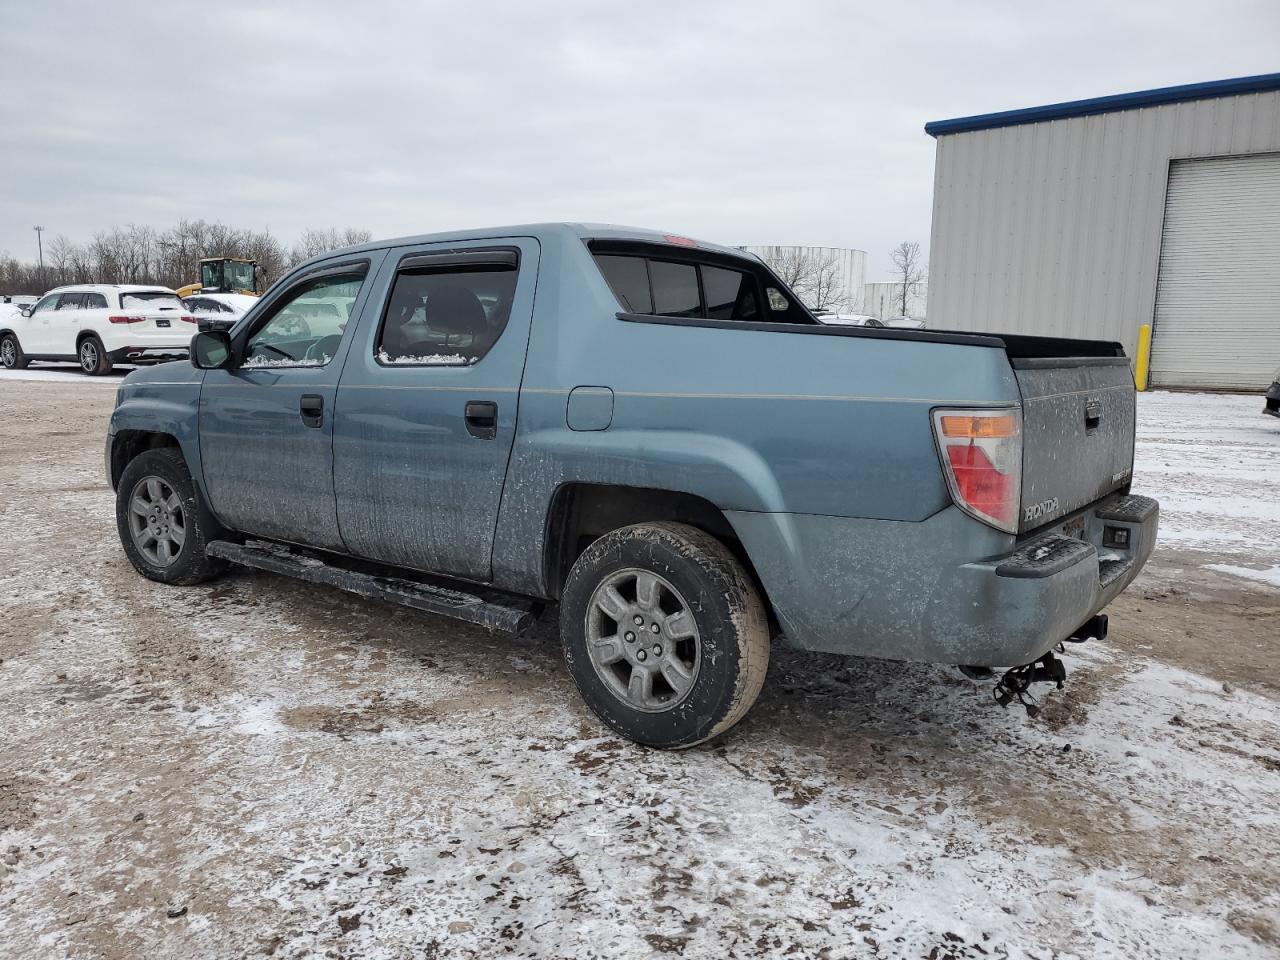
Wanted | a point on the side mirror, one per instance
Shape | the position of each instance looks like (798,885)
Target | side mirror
(211,350)
(26,311)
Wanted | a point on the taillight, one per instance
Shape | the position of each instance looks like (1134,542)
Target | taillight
(982,458)
(187,319)
(127,319)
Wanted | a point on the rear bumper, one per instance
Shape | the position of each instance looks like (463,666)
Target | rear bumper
(148,354)
(905,591)
(1272,405)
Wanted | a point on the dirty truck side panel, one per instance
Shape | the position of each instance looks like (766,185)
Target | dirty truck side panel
(161,399)
(414,487)
(266,471)
(752,421)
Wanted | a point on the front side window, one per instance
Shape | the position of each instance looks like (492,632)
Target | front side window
(447,317)
(306,327)
(48,303)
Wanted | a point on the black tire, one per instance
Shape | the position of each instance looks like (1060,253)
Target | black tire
(188,564)
(11,355)
(731,625)
(93,358)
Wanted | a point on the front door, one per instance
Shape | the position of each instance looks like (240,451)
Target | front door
(427,404)
(34,332)
(266,423)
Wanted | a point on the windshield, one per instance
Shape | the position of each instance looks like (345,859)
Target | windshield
(239,276)
(151,299)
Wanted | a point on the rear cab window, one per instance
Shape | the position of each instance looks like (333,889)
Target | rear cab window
(666,281)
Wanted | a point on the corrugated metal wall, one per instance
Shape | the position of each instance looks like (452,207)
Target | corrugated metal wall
(850,264)
(884,300)
(1218,295)
(1054,228)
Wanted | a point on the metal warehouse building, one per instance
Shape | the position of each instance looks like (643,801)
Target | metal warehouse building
(1097,217)
(848,268)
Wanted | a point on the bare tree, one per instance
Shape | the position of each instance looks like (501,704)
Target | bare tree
(909,272)
(812,273)
(317,241)
(171,257)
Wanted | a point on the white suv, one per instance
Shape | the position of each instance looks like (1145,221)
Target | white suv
(98,325)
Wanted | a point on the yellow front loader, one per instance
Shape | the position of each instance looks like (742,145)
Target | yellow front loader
(224,275)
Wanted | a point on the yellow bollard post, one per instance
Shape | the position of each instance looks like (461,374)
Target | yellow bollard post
(1142,362)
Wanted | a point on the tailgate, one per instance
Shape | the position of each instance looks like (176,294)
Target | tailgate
(1077,433)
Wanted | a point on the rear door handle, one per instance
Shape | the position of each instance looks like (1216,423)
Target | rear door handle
(482,419)
(311,409)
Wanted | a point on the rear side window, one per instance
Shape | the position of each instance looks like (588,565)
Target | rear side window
(730,294)
(95,301)
(629,278)
(71,301)
(671,289)
(675,289)
(445,316)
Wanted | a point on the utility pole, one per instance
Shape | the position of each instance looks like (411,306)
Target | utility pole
(40,248)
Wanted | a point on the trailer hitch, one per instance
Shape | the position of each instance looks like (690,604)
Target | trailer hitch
(1015,683)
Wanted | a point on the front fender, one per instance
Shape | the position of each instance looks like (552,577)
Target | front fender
(154,404)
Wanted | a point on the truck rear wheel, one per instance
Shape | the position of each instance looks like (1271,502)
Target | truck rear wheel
(664,633)
(163,526)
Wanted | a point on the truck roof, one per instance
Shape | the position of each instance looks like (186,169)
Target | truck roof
(584,231)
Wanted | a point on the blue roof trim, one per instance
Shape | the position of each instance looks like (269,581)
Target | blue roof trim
(1122,101)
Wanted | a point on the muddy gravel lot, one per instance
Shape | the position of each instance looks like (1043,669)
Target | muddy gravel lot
(257,767)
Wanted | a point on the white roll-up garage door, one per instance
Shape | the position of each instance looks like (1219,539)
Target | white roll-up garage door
(1217,321)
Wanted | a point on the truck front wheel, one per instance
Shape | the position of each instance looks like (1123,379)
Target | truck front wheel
(162,524)
(664,633)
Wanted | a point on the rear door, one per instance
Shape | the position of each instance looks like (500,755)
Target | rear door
(426,412)
(266,425)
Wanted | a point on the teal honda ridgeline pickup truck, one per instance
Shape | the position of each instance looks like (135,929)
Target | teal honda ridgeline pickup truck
(654,433)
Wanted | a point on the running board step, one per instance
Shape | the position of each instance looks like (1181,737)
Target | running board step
(274,558)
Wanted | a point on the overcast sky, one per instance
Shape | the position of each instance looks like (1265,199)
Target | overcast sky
(781,122)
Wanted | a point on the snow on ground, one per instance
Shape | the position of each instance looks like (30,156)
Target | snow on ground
(64,373)
(1213,462)
(261,767)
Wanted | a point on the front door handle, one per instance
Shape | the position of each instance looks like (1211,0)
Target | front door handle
(482,419)
(311,409)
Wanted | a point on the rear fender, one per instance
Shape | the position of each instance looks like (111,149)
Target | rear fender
(721,471)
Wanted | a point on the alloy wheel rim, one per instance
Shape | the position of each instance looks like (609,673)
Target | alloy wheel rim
(8,355)
(157,521)
(642,640)
(88,355)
